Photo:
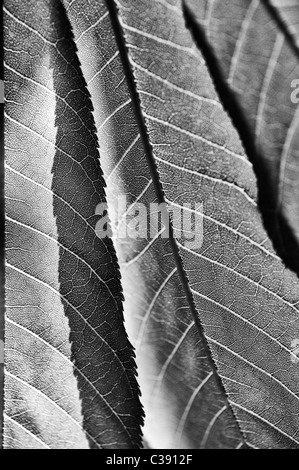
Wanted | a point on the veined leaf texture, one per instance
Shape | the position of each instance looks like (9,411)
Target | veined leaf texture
(189,343)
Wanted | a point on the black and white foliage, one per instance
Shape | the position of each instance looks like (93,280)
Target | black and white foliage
(159,101)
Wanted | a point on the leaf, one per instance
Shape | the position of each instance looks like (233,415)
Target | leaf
(213,319)
(259,98)
(171,354)
(246,299)
(288,13)
(70,370)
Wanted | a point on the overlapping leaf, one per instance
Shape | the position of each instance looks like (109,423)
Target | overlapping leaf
(288,12)
(162,127)
(181,394)
(254,51)
(245,297)
(70,371)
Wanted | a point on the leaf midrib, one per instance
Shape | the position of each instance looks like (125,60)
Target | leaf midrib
(139,114)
